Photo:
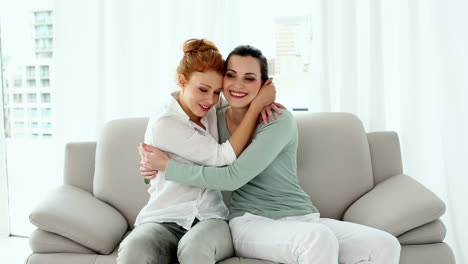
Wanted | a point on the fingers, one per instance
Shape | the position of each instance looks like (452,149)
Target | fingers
(147,172)
(280,105)
(267,82)
(150,177)
(144,152)
(264,117)
(270,114)
(140,150)
(276,109)
(143,157)
(147,147)
(144,166)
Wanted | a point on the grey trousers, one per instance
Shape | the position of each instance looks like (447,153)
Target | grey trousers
(209,241)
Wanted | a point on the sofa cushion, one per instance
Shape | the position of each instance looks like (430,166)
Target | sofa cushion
(433,232)
(41,241)
(333,161)
(77,215)
(396,205)
(437,253)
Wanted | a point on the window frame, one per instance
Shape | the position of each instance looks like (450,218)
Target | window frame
(4,200)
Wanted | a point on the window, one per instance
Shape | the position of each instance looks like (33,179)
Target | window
(26,53)
(43,44)
(45,83)
(31,83)
(42,54)
(42,17)
(47,125)
(45,71)
(46,112)
(30,71)
(17,83)
(43,31)
(17,98)
(18,134)
(32,98)
(18,112)
(19,125)
(33,112)
(45,97)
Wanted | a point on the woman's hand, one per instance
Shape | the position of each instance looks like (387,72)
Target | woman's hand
(152,160)
(266,95)
(146,172)
(267,112)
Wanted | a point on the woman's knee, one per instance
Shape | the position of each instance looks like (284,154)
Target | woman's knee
(145,248)
(375,247)
(209,239)
(318,238)
(320,245)
(390,246)
(328,238)
(131,250)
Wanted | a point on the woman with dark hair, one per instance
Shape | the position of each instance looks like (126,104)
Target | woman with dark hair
(271,217)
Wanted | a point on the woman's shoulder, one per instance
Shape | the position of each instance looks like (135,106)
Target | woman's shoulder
(286,117)
(167,120)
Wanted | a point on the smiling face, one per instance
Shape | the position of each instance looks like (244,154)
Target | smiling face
(199,93)
(242,80)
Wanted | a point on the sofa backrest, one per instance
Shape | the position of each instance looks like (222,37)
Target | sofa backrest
(334,164)
(117,179)
(333,161)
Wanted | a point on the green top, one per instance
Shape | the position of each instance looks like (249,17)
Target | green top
(263,178)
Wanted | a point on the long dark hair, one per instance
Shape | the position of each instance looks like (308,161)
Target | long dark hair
(247,50)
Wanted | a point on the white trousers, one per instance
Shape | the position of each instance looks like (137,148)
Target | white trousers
(312,240)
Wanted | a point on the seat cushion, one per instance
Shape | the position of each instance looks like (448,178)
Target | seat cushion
(45,242)
(437,253)
(433,232)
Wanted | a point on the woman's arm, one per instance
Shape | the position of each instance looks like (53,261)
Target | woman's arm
(174,135)
(240,138)
(270,140)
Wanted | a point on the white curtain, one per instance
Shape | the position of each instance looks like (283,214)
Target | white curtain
(401,65)
(117,59)
(397,64)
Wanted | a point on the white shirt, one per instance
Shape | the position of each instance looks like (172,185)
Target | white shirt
(173,132)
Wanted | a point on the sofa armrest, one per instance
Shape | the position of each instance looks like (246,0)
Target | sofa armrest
(77,215)
(385,155)
(396,205)
(79,165)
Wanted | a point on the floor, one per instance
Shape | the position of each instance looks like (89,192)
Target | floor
(14,250)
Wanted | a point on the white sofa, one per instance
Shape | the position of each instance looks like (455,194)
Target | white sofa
(348,173)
